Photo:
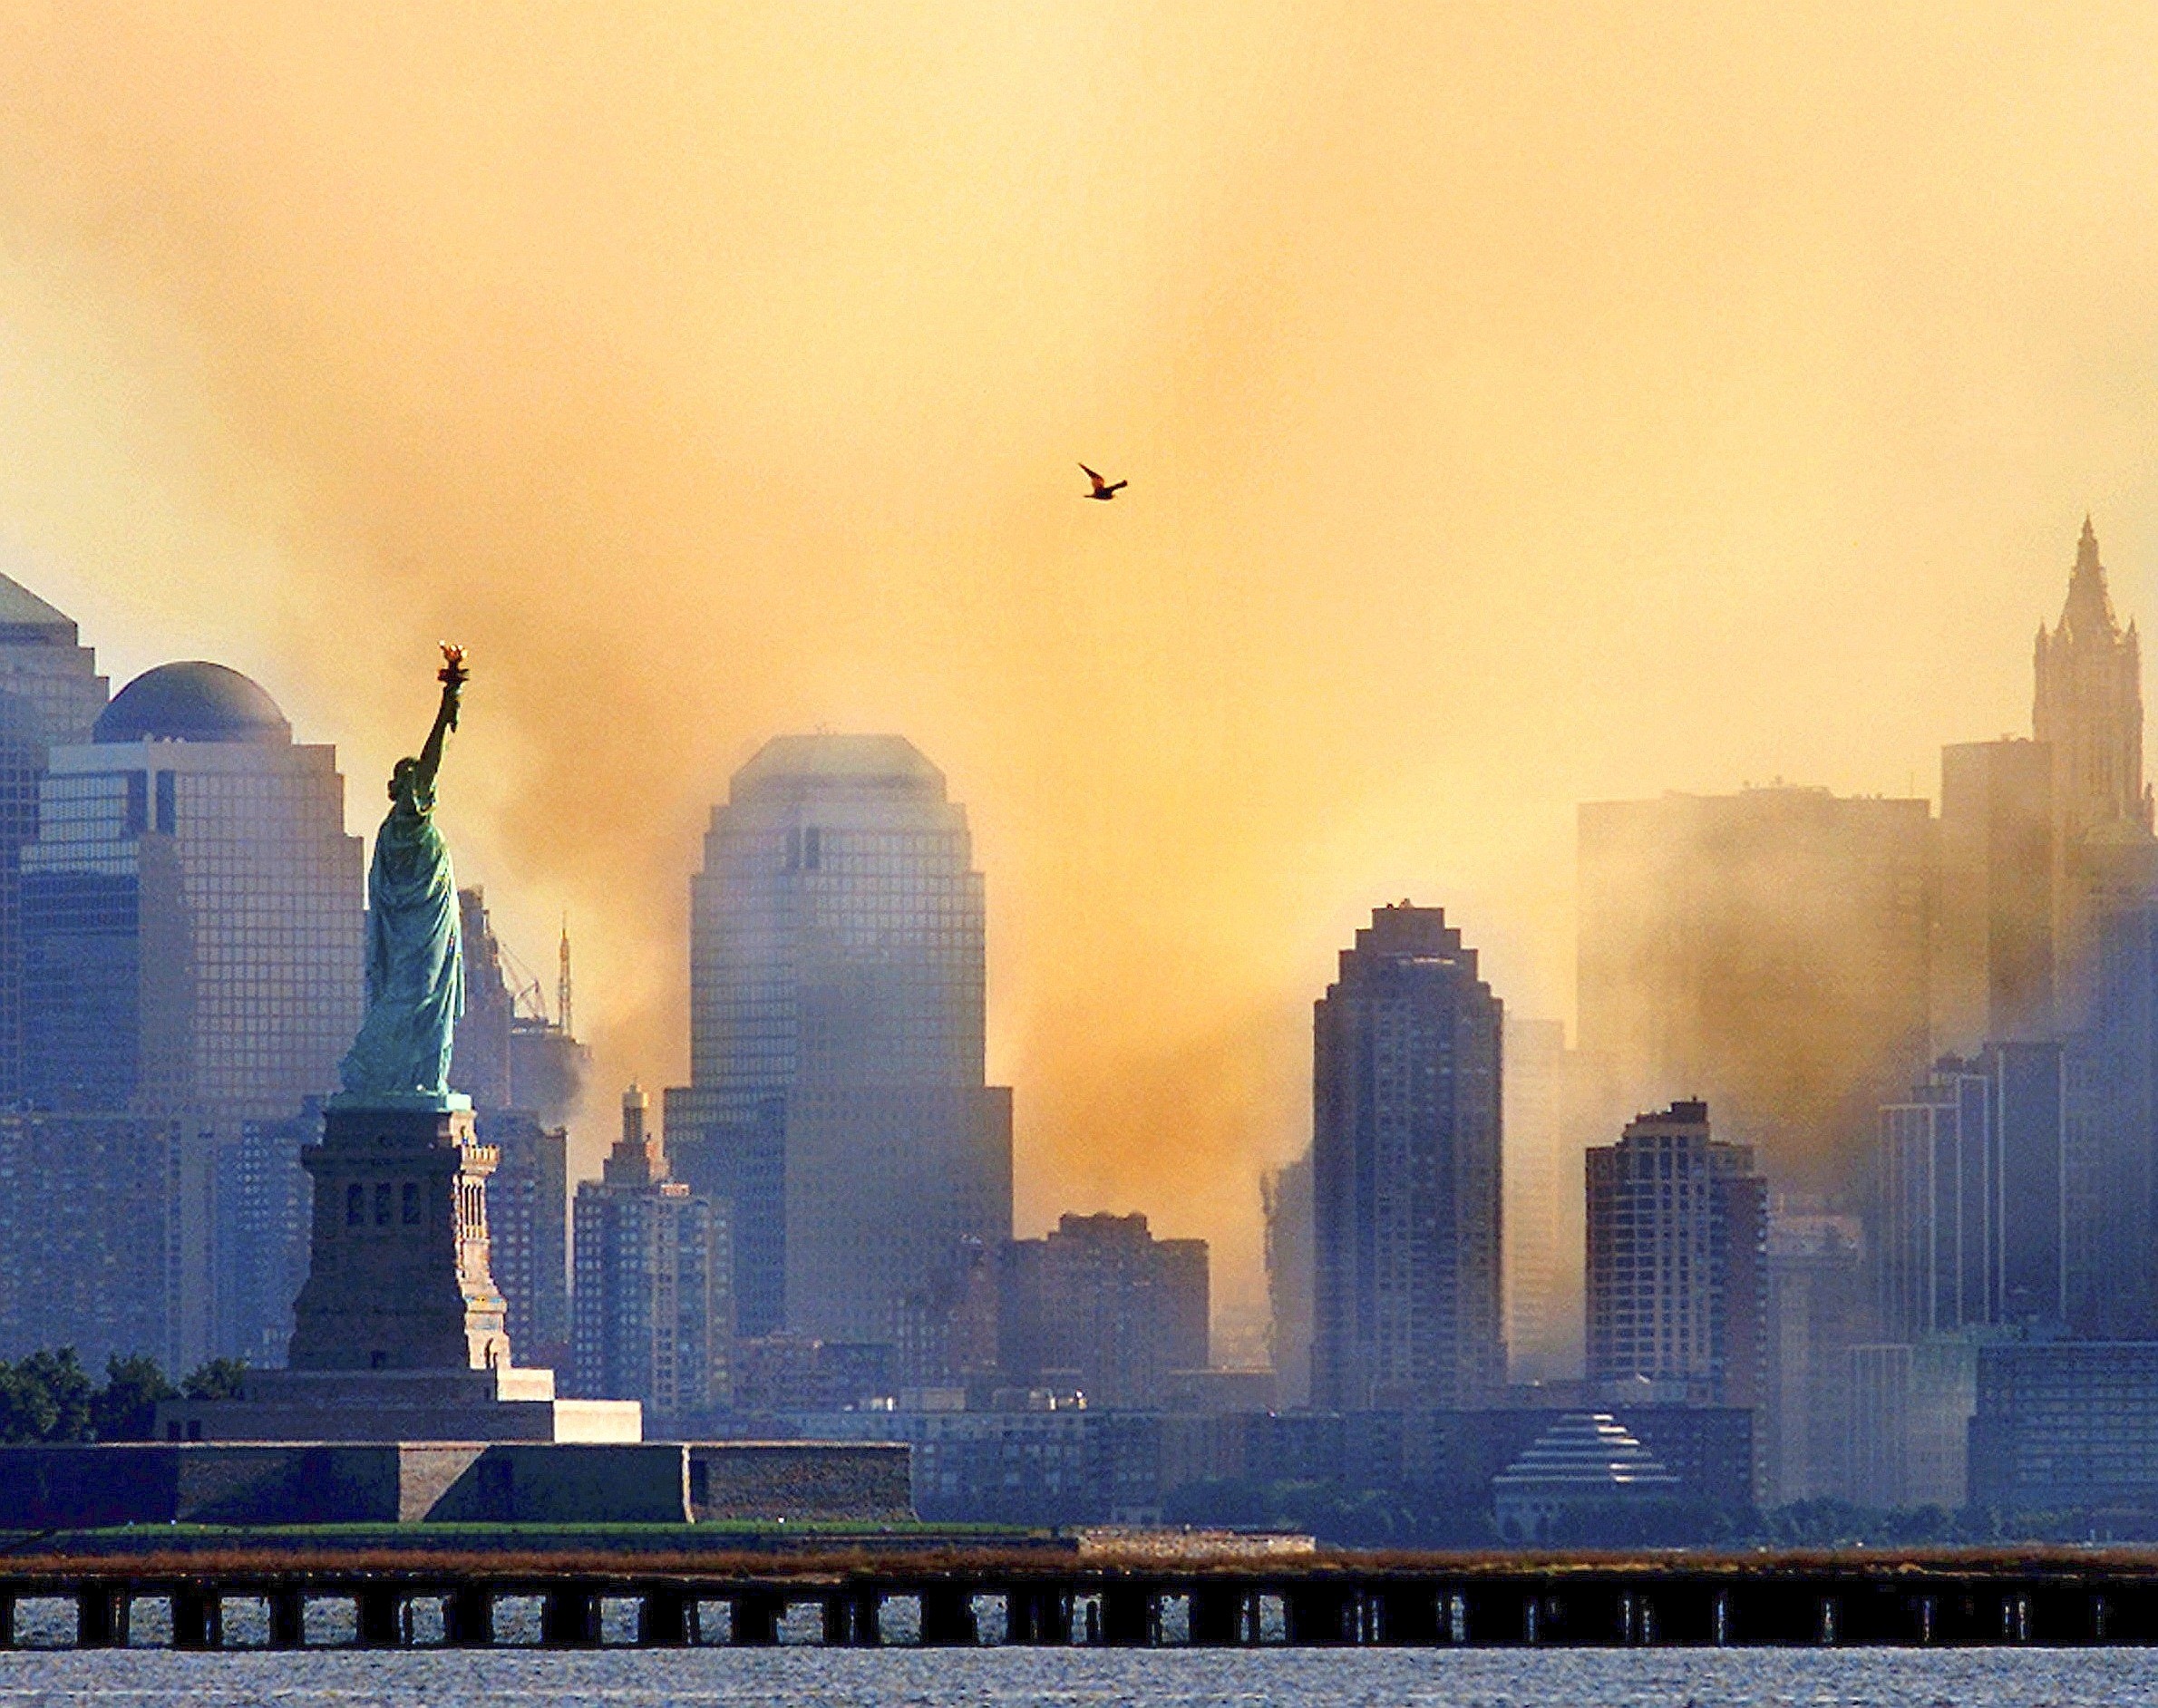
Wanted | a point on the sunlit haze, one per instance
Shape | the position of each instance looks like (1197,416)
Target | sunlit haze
(1521,406)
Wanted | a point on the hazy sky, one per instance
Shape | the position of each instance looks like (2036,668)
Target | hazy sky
(1523,404)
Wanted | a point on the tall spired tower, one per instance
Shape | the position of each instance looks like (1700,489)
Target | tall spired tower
(2089,704)
(2088,708)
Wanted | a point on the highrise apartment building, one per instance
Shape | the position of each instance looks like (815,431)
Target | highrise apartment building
(1405,1171)
(1677,1263)
(837,1018)
(652,1311)
(1766,951)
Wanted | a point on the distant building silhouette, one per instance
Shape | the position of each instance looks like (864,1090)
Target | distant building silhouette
(653,1316)
(1816,1315)
(1677,1263)
(1285,1197)
(1102,1306)
(2088,708)
(1767,950)
(837,981)
(1405,1171)
(2111,1147)
(1993,976)
(1557,1101)
(93,1230)
(521,1115)
(1967,1197)
(527,1218)
(50,695)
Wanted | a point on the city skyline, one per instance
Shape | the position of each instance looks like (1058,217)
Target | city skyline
(1242,1308)
(1519,409)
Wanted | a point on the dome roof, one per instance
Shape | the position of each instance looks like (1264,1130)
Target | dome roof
(792,763)
(193,702)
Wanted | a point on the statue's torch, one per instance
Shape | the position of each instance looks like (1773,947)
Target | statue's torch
(453,676)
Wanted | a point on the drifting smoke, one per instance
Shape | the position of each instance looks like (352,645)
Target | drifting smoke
(1519,410)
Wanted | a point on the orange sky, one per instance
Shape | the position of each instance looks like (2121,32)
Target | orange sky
(1522,406)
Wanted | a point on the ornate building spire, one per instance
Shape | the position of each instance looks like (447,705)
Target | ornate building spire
(2089,704)
(2088,613)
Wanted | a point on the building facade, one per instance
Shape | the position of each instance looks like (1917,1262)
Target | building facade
(2111,1147)
(1101,1307)
(1406,1171)
(1768,951)
(2087,708)
(1994,966)
(1816,1315)
(651,1315)
(50,697)
(837,997)
(1677,1263)
(1968,1197)
(99,1215)
(527,1218)
(1285,1197)
(2068,1428)
(191,916)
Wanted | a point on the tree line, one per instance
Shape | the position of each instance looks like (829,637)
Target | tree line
(50,1397)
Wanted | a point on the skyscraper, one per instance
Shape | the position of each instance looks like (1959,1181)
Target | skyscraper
(1968,1209)
(1676,1262)
(1994,974)
(192,907)
(651,1311)
(1284,1195)
(50,695)
(191,923)
(1767,951)
(837,986)
(527,1195)
(2111,1147)
(1557,1101)
(2088,708)
(1405,1171)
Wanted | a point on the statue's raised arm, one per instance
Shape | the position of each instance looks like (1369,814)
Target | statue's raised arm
(415,955)
(453,676)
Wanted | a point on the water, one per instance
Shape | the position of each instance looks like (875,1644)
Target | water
(1095,1678)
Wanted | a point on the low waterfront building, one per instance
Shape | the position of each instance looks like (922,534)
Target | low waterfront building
(2068,1427)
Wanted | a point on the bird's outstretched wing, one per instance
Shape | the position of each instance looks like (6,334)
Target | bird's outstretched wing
(1090,475)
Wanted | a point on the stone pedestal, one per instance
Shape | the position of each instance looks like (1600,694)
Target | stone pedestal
(399,1277)
(398,1330)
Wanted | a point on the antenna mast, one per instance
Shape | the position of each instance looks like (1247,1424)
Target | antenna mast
(562,983)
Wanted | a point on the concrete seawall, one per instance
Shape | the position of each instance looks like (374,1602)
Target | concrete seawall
(76,1487)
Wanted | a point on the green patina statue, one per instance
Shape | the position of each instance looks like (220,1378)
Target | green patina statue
(415,952)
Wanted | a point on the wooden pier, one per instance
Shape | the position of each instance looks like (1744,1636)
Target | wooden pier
(848,1596)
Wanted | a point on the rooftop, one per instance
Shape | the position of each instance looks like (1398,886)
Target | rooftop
(785,763)
(193,702)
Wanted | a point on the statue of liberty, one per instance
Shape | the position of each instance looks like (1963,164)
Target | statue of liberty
(415,952)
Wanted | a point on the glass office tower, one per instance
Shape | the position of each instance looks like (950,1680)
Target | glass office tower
(837,989)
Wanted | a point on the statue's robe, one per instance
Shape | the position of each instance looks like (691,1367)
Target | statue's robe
(416,957)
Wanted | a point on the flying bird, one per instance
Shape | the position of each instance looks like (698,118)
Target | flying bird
(1102,489)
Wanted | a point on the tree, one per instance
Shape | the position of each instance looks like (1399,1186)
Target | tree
(219,1379)
(45,1397)
(125,1407)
